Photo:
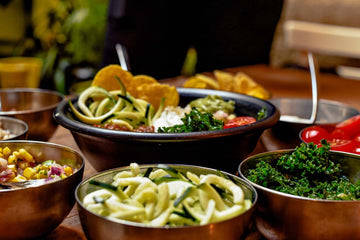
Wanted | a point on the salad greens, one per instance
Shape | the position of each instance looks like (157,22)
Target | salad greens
(309,171)
(193,122)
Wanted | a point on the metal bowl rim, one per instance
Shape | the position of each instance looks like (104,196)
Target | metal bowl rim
(287,195)
(18,121)
(53,145)
(325,102)
(134,224)
(32,90)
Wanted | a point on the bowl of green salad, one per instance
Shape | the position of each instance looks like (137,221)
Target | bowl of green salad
(309,192)
(210,128)
(173,201)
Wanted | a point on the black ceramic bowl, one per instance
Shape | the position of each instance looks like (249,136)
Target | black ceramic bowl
(220,149)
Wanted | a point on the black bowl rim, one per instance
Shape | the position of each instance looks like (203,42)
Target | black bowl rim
(79,170)
(135,224)
(79,127)
(32,90)
(287,195)
(18,121)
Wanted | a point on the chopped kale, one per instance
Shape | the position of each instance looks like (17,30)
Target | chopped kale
(308,171)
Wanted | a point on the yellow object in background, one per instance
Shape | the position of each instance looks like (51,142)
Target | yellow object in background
(225,81)
(20,72)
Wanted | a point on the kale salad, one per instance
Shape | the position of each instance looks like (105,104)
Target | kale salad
(308,171)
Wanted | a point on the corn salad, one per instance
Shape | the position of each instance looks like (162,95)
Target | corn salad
(20,165)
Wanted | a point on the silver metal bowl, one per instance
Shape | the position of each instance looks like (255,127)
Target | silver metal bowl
(221,149)
(99,227)
(284,216)
(34,106)
(29,213)
(16,127)
(286,133)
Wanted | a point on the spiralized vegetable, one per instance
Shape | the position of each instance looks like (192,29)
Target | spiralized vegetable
(165,196)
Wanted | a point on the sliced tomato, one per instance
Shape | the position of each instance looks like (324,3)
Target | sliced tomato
(314,134)
(344,145)
(357,140)
(350,126)
(339,134)
(239,121)
(356,150)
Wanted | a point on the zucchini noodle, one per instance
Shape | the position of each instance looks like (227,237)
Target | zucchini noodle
(99,106)
(164,196)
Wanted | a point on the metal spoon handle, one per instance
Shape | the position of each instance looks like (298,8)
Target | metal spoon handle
(121,52)
(314,86)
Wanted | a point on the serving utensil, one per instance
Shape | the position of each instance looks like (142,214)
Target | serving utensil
(23,184)
(315,98)
(122,55)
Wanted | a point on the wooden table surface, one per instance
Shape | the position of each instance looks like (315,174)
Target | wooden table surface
(280,82)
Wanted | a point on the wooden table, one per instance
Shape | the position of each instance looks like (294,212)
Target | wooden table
(280,82)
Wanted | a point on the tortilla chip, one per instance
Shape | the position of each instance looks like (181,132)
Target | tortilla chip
(154,92)
(224,79)
(138,80)
(259,92)
(243,83)
(106,79)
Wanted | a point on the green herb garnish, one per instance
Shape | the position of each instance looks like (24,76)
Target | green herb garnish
(309,171)
(195,121)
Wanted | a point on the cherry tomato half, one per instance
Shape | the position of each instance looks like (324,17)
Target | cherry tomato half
(350,126)
(357,140)
(344,145)
(239,121)
(314,134)
(339,134)
(356,150)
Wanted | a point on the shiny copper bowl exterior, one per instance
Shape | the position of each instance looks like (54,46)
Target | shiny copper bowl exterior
(285,216)
(98,227)
(34,106)
(30,213)
(16,127)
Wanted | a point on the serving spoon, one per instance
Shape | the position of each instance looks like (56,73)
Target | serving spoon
(23,184)
(122,55)
(315,98)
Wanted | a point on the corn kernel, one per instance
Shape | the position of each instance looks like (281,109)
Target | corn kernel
(68,170)
(1,155)
(18,178)
(42,174)
(12,159)
(29,173)
(26,156)
(6,151)
(23,165)
(16,154)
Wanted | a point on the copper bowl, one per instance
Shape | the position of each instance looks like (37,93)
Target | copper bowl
(99,227)
(220,149)
(34,106)
(32,212)
(284,216)
(16,127)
